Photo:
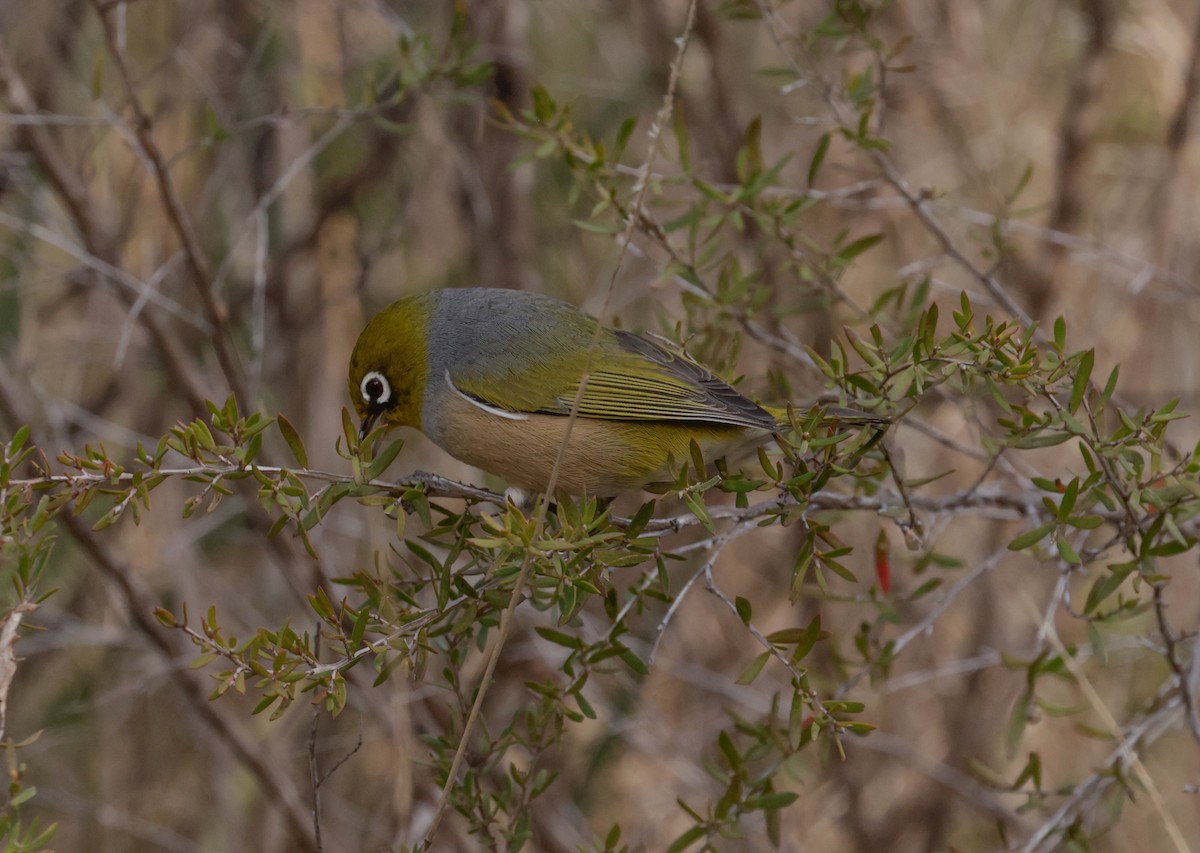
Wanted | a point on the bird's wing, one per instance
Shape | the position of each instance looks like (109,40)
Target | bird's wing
(630,379)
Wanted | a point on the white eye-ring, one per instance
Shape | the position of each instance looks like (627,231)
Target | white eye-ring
(375,389)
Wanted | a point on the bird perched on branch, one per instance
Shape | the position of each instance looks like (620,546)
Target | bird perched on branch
(492,375)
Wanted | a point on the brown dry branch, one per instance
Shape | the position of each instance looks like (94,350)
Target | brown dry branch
(1080,117)
(140,604)
(215,308)
(98,245)
(8,656)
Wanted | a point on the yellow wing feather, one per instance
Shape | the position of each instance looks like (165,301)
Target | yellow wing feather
(630,379)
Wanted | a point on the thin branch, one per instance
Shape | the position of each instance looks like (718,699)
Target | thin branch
(214,307)
(1126,753)
(1181,120)
(715,546)
(954,781)
(918,201)
(927,622)
(1183,672)
(255,221)
(71,189)
(98,245)
(140,604)
(1077,125)
(145,292)
(1000,502)
(314,774)
(8,658)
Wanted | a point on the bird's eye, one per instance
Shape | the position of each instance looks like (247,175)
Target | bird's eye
(375,389)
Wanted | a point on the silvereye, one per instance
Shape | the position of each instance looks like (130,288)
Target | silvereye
(490,376)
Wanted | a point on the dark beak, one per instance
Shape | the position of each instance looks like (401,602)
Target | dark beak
(367,423)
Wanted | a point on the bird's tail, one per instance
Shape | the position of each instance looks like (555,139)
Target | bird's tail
(843,414)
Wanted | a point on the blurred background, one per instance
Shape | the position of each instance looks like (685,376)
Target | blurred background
(328,156)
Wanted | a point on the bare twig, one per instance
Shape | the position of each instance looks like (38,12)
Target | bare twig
(140,605)
(955,781)
(1127,753)
(8,657)
(214,307)
(1181,119)
(1002,503)
(314,776)
(714,547)
(1183,671)
(1076,127)
(98,249)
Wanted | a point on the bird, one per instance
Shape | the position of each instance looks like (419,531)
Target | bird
(491,375)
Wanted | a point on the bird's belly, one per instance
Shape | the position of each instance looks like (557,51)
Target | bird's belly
(602,458)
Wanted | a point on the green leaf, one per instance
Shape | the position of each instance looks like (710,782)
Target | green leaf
(751,672)
(729,750)
(381,462)
(1083,376)
(559,638)
(686,839)
(216,132)
(18,440)
(1067,552)
(203,436)
(98,75)
(1110,386)
(1017,721)
(584,705)
(1022,182)
(697,458)
(22,797)
(1039,439)
(640,519)
(862,244)
(744,611)
(750,157)
(1107,585)
(807,640)
(1031,537)
(349,430)
(927,329)
(634,662)
(544,107)
(926,588)
(700,511)
(624,132)
(292,437)
(1068,500)
(360,627)
(839,570)
(818,158)
(597,227)
(682,142)
(774,800)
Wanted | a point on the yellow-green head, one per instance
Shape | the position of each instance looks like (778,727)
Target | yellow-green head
(389,367)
